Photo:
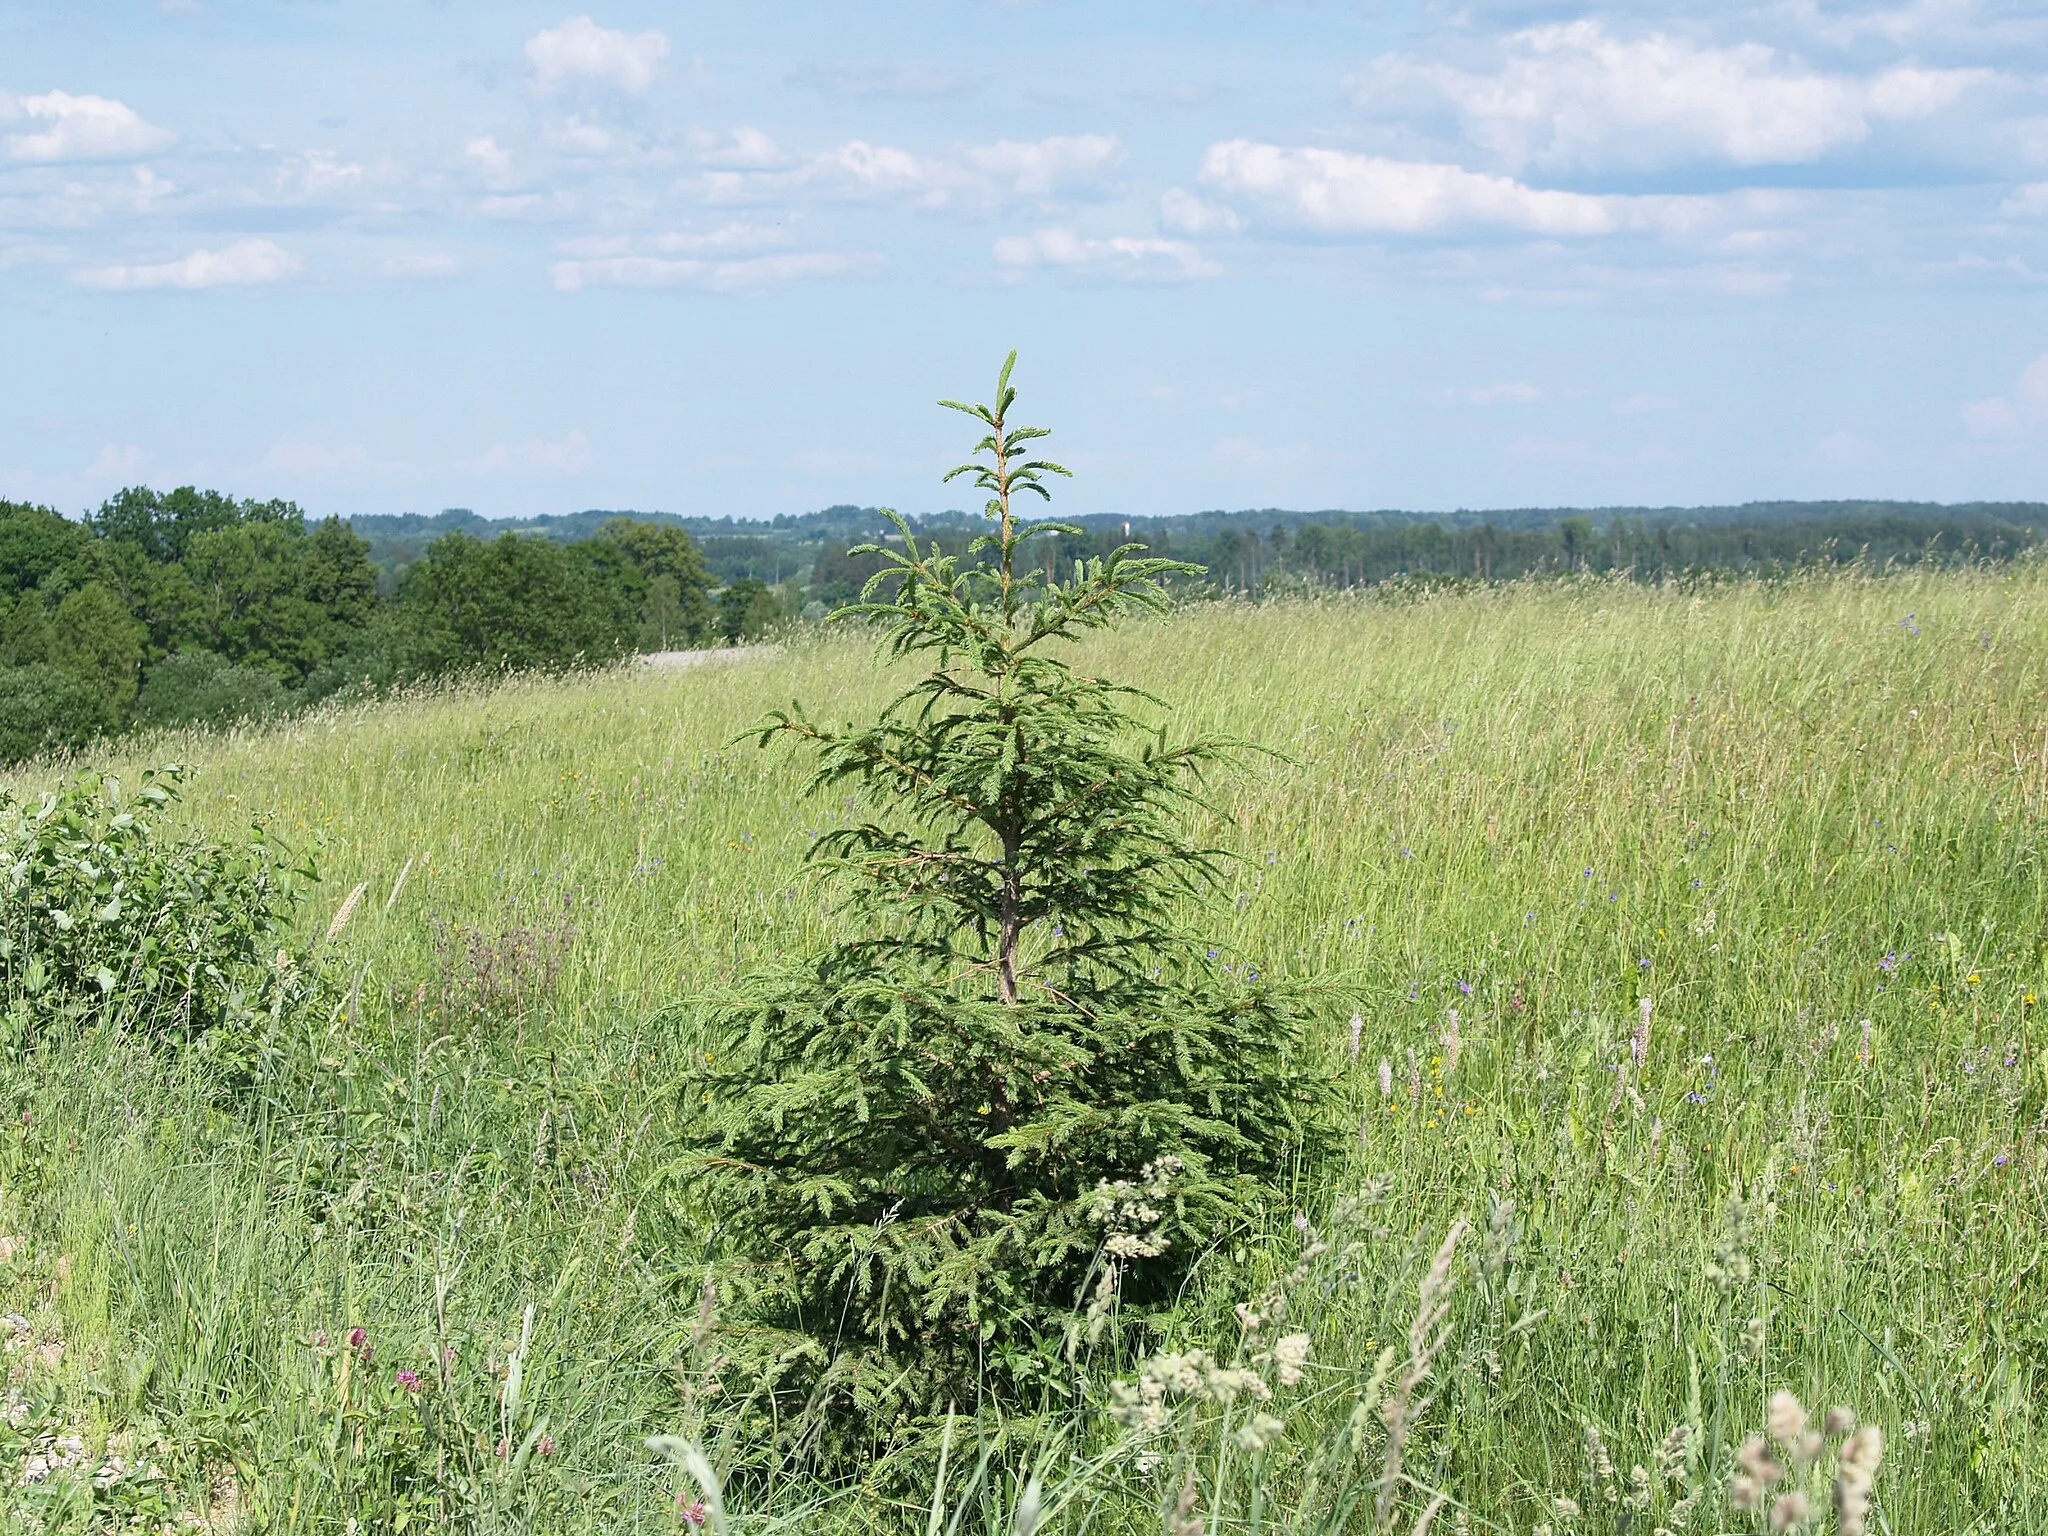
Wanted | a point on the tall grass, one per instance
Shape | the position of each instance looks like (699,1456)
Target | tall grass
(1803,820)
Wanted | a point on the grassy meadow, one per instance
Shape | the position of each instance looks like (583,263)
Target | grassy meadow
(1804,820)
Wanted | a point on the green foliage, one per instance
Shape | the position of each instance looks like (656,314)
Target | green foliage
(92,638)
(510,603)
(24,630)
(45,709)
(273,595)
(39,546)
(659,571)
(200,688)
(913,1133)
(108,916)
(746,609)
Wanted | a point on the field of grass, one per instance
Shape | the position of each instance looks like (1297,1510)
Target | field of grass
(1805,821)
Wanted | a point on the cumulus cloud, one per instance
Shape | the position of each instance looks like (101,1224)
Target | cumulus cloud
(244,262)
(967,176)
(1513,392)
(579,50)
(1122,256)
(743,275)
(1339,192)
(569,456)
(488,153)
(2026,202)
(741,149)
(1181,210)
(318,175)
(81,128)
(1573,94)
(2022,413)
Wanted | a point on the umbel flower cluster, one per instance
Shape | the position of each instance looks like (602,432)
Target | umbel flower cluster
(914,1140)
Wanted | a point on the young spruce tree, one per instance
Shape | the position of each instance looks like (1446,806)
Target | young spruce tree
(916,1135)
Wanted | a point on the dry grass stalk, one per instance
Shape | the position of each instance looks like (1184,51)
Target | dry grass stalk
(1426,1336)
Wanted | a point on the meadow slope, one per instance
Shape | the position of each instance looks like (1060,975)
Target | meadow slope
(1803,820)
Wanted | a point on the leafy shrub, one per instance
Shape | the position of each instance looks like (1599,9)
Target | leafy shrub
(46,709)
(200,688)
(107,915)
(927,1136)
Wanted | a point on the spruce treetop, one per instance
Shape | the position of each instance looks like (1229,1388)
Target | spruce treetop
(1034,799)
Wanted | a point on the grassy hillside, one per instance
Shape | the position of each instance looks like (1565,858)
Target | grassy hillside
(1804,819)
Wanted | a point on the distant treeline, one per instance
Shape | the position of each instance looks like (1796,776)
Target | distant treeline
(163,607)
(1246,551)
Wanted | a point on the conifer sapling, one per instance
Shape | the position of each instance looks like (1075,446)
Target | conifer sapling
(1015,1087)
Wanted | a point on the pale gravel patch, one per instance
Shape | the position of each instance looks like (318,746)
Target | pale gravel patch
(720,654)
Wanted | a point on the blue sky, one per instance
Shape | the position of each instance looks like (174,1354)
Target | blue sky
(383,256)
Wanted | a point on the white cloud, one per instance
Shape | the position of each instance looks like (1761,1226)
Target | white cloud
(1635,405)
(82,128)
(116,463)
(317,175)
(1181,210)
(2026,202)
(246,261)
(429,264)
(745,275)
(569,456)
(579,136)
(1339,192)
(971,175)
(2020,414)
(1572,94)
(1512,393)
(742,149)
(490,154)
(1123,256)
(1049,166)
(579,49)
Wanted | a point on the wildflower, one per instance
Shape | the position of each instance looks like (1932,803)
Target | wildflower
(1855,1471)
(1639,1042)
(546,1446)
(1386,1078)
(1453,1043)
(1357,1032)
(1790,1512)
(694,1513)
(359,1341)
(1838,1421)
(1289,1356)
(1787,1419)
(409,1381)
(1259,1431)
(1754,1460)
(1465,987)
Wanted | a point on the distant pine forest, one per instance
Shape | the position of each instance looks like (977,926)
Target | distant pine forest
(191,607)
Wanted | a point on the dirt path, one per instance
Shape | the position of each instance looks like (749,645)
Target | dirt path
(723,654)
